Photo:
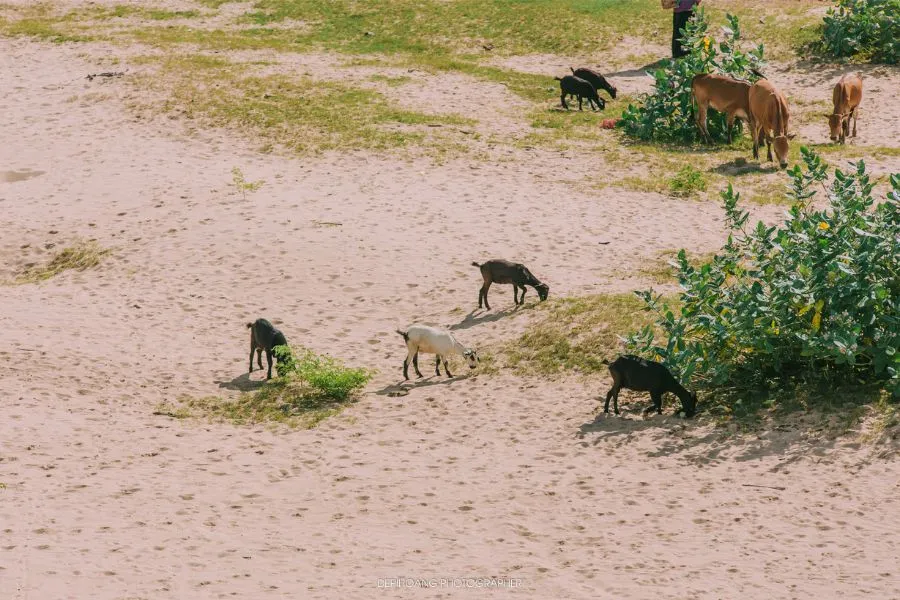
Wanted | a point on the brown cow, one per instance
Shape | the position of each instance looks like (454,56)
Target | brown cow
(847,96)
(769,119)
(726,95)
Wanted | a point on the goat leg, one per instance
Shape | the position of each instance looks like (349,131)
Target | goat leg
(437,365)
(269,362)
(562,99)
(251,356)
(446,369)
(416,364)
(259,357)
(522,298)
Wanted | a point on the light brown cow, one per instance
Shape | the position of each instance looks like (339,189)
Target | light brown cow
(769,118)
(847,96)
(726,95)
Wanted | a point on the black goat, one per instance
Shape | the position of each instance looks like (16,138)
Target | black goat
(264,336)
(503,271)
(595,79)
(635,373)
(575,86)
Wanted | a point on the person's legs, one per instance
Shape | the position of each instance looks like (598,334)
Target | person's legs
(679,20)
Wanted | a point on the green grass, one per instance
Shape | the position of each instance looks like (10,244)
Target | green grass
(309,389)
(661,270)
(297,113)
(80,256)
(575,334)
(687,182)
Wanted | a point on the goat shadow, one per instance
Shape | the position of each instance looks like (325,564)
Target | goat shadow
(471,320)
(241,383)
(641,70)
(405,387)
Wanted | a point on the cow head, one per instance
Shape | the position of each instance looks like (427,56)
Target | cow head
(781,149)
(835,123)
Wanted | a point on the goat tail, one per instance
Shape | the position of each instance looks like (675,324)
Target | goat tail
(475,264)
(249,325)
(573,70)
(558,78)
(604,361)
(404,334)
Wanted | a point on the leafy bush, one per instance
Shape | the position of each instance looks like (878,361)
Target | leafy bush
(817,298)
(866,28)
(667,114)
(325,376)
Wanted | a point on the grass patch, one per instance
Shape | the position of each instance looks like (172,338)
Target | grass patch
(309,389)
(80,256)
(576,334)
(298,113)
(661,270)
(391,81)
(687,182)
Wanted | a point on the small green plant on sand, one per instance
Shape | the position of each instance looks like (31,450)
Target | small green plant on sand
(687,182)
(242,185)
(309,388)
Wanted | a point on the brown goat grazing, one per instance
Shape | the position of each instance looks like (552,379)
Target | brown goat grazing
(847,96)
(724,94)
(503,271)
(769,118)
(635,373)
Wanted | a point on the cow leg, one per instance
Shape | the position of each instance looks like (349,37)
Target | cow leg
(515,294)
(855,119)
(480,296)
(755,133)
(769,148)
(562,99)
(579,102)
(259,357)
(522,298)
(484,291)
(251,355)
(437,365)
(730,125)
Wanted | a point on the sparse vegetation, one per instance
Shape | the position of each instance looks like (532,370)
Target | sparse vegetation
(309,389)
(81,255)
(687,182)
(575,334)
(242,185)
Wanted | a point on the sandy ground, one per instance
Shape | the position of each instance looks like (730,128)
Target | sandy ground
(470,478)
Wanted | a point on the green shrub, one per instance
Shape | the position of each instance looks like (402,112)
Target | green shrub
(323,375)
(866,28)
(817,298)
(687,182)
(667,113)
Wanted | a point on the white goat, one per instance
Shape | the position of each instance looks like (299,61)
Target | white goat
(421,338)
